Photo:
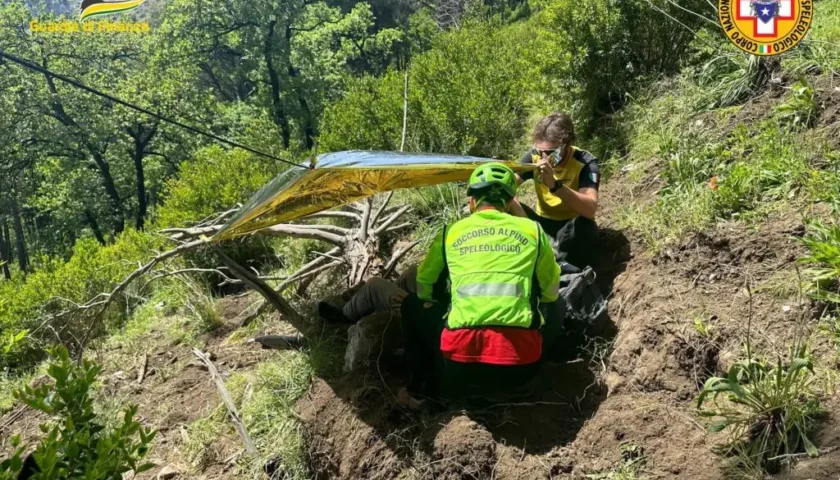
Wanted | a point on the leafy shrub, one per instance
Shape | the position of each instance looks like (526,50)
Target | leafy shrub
(592,53)
(465,97)
(800,109)
(78,446)
(823,241)
(213,182)
(57,285)
(769,409)
(771,166)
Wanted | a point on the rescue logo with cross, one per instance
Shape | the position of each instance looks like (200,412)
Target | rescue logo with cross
(765,27)
(765,15)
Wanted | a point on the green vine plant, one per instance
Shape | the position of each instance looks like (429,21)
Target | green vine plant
(76,445)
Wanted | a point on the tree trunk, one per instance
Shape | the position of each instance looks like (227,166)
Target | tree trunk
(19,240)
(142,136)
(308,124)
(4,249)
(142,206)
(278,113)
(94,225)
(110,189)
(60,114)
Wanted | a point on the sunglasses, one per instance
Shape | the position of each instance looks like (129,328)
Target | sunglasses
(554,153)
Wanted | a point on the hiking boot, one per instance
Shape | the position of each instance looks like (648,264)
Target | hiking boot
(331,313)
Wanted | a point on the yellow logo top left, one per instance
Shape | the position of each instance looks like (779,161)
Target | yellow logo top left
(93,8)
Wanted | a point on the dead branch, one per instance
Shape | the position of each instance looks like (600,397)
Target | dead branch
(164,274)
(328,233)
(233,413)
(336,214)
(381,208)
(272,297)
(306,274)
(387,222)
(107,298)
(303,231)
(216,218)
(327,255)
(326,228)
(144,364)
(397,256)
(181,233)
(398,227)
(363,231)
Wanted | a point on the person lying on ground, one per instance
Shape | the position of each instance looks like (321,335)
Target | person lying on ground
(567,189)
(376,295)
(485,334)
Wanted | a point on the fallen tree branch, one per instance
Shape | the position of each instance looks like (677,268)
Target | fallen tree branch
(326,228)
(328,233)
(109,297)
(335,214)
(216,218)
(306,274)
(397,256)
(233,413)
(181,233)
(398,227)
(387,222)
(144,364)
(381,208)
(363,231)
(274,298)
(301,231)
(164,274)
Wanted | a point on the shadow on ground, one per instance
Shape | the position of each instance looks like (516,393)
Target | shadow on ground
(355,429)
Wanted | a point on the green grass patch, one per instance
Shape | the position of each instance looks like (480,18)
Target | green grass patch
(712,165)
(266,398)
(633,460)
(820,51)
(180,312)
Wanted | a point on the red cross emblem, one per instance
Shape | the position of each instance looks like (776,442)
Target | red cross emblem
(746,10)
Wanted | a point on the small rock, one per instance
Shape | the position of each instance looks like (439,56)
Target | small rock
(365,339)
(119,375)
(786,308)
(712,277)
(167,473)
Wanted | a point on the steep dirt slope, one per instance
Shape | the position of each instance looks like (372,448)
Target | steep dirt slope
(587,415)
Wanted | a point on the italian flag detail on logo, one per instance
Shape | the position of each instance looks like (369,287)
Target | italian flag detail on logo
(765,49)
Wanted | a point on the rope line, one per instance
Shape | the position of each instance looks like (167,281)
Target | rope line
(33,66)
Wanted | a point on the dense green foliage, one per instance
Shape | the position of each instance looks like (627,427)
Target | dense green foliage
(85,180)
(78,445)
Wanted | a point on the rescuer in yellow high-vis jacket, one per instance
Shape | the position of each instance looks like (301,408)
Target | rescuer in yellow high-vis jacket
(566,185)
(499,269)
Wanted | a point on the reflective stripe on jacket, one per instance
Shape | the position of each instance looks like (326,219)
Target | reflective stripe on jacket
(499,267)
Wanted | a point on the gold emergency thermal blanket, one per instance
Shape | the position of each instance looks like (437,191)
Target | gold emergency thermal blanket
(340,178)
